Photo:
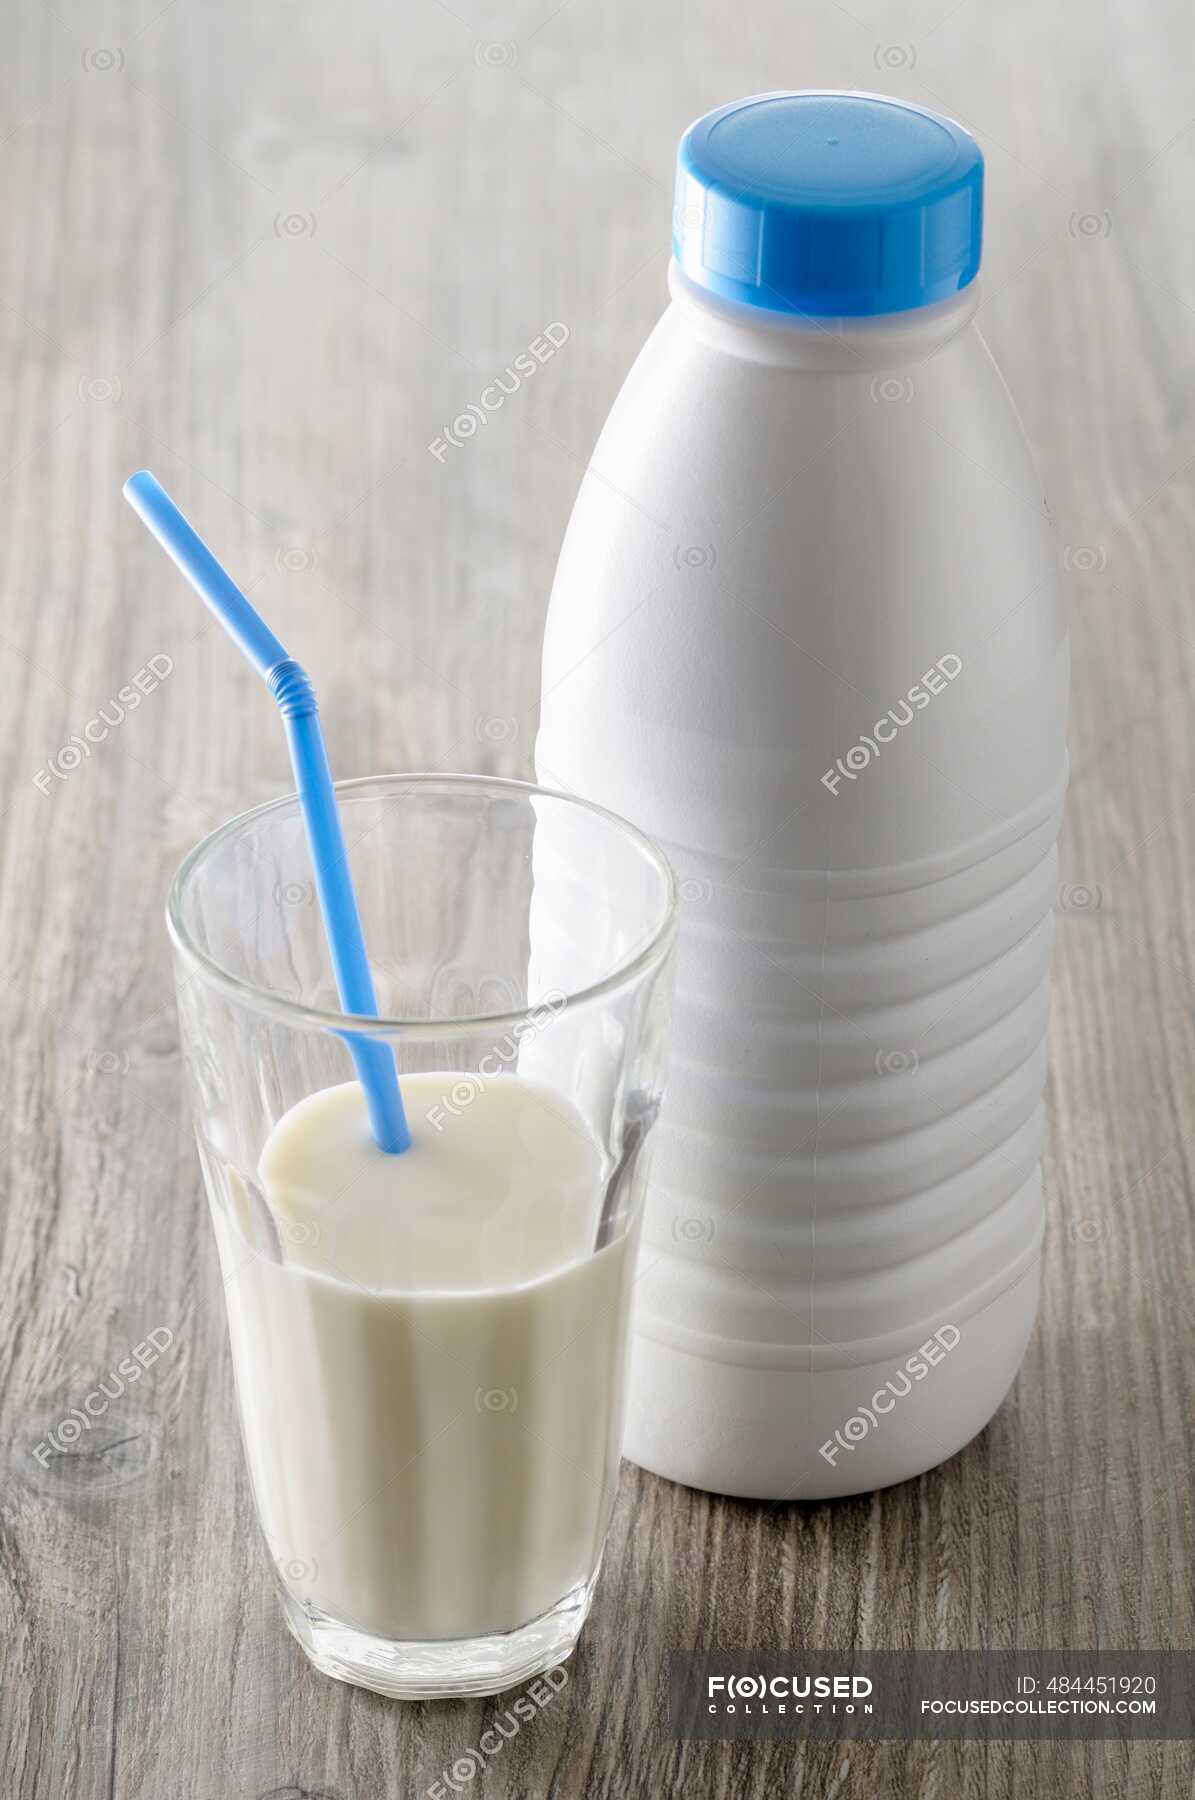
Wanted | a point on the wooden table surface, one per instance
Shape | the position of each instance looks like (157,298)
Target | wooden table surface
(271,251)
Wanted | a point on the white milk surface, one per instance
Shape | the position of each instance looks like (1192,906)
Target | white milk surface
(431,1382)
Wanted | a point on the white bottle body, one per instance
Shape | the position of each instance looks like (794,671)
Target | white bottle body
(806,631)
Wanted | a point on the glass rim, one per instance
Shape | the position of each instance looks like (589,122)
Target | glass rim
(296,1013)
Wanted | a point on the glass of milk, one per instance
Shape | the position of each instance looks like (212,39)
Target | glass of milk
(430,1349)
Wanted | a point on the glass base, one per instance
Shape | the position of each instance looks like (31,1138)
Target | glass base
(447,1668)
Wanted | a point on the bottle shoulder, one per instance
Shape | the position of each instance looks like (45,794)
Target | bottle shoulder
(701,414)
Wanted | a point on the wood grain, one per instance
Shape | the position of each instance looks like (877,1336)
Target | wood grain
(270,252)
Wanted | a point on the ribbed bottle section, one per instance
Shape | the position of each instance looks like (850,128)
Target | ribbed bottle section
(851,1139)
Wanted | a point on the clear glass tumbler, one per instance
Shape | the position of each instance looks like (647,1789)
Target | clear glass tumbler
(430,1349)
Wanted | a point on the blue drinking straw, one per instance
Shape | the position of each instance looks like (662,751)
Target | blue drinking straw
(292,689)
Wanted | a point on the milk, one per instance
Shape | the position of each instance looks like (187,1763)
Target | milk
(431,1378)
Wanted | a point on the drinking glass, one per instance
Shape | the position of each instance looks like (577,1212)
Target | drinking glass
(433,1465)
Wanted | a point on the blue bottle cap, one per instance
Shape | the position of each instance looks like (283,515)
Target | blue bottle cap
(831,204)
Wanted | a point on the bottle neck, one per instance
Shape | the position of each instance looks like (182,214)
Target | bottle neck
(798,341)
